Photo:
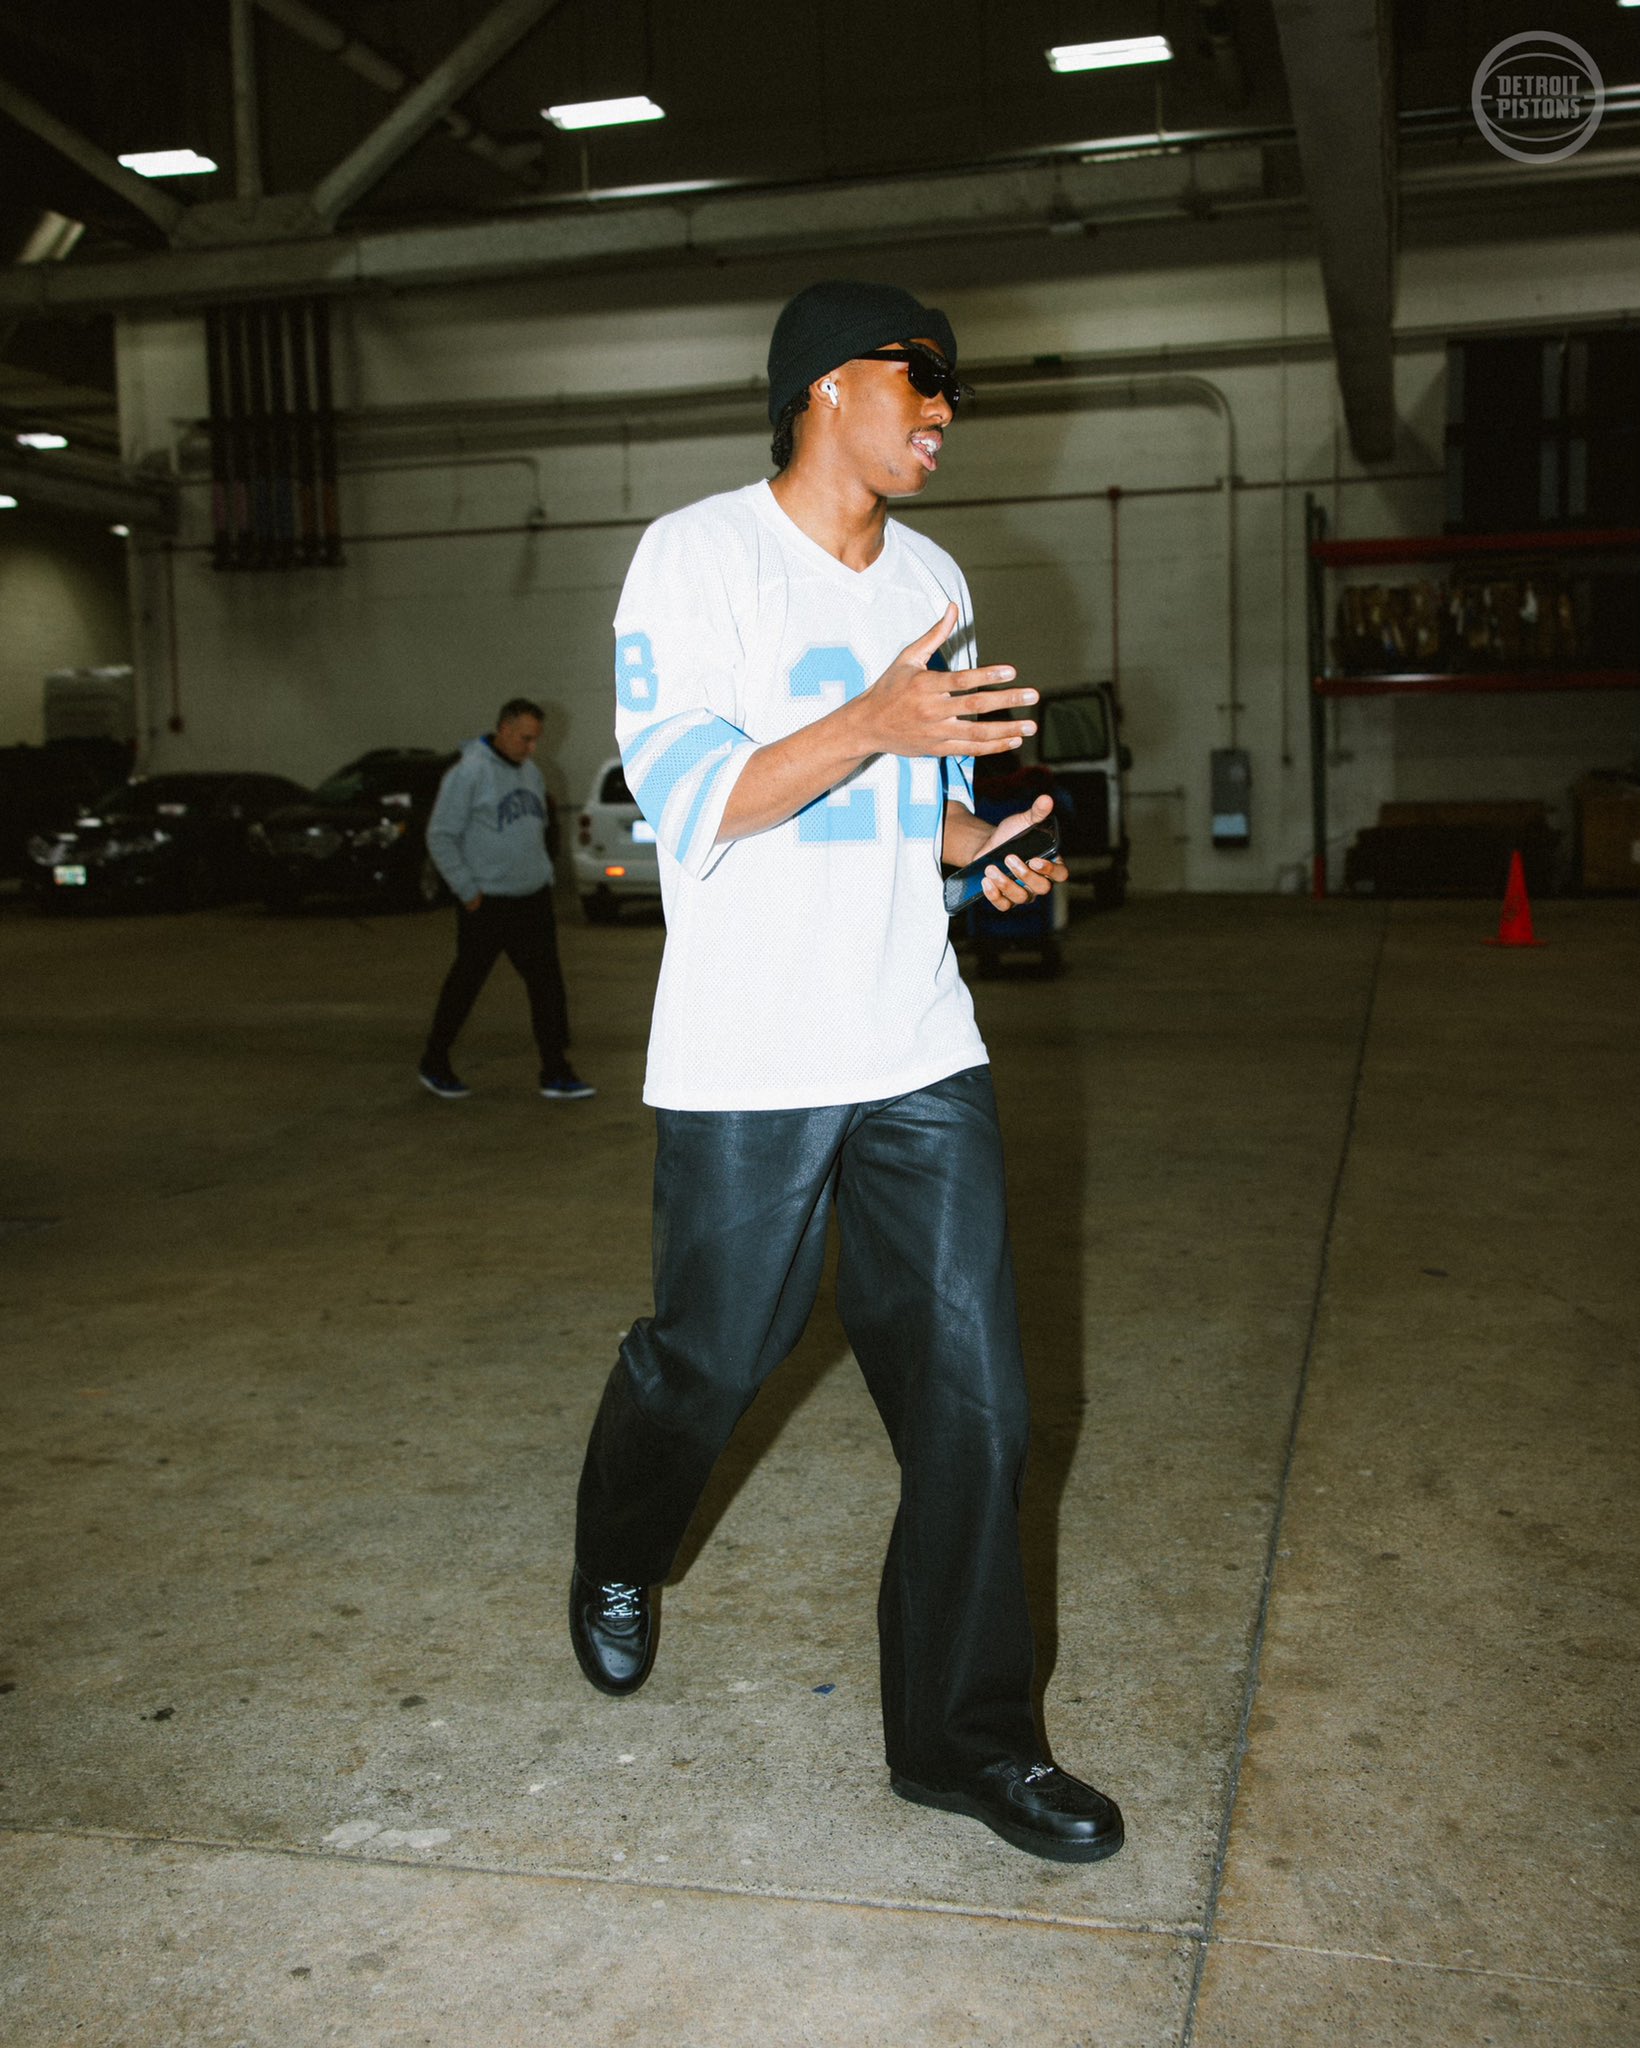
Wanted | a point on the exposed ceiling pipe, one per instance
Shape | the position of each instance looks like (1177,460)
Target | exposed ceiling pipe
(512,159)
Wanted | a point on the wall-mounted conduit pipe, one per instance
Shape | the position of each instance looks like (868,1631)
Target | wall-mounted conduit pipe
(307,460)
(324,404)
(281,444)
(239,441)
(272,433)
(221,467)
(259,431)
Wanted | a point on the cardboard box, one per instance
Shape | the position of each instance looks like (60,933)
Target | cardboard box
(1608,834)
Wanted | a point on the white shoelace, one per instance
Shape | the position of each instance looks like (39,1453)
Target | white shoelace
(619,1603)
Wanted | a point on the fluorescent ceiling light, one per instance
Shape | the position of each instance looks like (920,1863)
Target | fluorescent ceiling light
(53,237)
(604,113)
(7,504)
(167,163)
(120,532)
(1107,56)
(42,440)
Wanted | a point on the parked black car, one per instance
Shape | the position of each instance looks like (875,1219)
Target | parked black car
(41,786)
(174,840)
(362,833)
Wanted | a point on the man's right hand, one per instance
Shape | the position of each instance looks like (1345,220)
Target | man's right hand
(911,709)
(914,710)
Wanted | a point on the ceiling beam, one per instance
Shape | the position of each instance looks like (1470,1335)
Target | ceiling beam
(83,484)
(364,62)
(819,222)
(421,110)
(164,211)
(1336,54)
(694,226)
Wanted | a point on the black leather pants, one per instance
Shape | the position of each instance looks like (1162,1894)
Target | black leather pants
(926,1294)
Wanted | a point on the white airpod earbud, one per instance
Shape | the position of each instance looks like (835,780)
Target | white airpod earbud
(829,388)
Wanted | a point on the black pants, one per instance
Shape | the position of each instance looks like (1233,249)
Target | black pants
(926,1294)
(522,927)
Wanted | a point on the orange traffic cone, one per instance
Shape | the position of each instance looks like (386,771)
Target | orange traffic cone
(1515,924)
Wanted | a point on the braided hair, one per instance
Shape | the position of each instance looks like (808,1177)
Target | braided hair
(780,448)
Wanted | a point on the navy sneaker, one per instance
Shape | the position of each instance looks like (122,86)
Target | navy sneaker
(566,1086)
(442,1079)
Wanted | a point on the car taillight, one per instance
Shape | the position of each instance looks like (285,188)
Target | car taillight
(584,836)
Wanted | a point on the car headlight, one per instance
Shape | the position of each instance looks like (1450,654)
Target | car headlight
(383,833)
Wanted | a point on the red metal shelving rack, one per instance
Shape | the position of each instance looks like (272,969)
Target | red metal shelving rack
(1323,554)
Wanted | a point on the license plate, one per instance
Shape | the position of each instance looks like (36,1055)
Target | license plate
(643,833)
(69,878)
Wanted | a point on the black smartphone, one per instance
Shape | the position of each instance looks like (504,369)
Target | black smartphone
(1036,842)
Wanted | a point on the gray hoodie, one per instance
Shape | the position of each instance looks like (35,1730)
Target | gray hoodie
(487,834)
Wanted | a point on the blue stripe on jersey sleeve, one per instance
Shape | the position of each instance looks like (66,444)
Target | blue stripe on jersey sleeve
(661,758)
(687,835)
(671,764)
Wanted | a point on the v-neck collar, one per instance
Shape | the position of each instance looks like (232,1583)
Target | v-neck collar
(776,514)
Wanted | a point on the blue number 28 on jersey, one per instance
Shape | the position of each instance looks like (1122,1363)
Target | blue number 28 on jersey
(841,814)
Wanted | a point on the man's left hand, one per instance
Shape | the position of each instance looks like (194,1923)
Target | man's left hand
(1013,881)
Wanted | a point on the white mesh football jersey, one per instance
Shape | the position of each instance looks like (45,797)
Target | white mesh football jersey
(809,964)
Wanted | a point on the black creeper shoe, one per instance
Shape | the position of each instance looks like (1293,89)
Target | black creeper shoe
(1037,1807)
(612,1629)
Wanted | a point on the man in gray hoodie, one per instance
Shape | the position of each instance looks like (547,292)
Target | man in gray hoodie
(487,836)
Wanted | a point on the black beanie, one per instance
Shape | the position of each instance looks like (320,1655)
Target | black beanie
(831,323)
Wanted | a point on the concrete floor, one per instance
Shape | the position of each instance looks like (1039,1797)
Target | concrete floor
(1326,1223)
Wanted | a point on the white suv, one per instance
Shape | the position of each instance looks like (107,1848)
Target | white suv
(615,857)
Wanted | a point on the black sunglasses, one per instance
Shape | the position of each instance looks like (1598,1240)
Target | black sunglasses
(929,375)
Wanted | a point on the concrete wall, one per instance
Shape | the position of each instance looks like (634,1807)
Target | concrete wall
(417,639)
(63,604)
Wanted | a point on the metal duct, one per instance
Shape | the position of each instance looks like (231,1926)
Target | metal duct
(272,435)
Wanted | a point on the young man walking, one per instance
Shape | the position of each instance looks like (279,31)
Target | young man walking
(487,836)
(788,726)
